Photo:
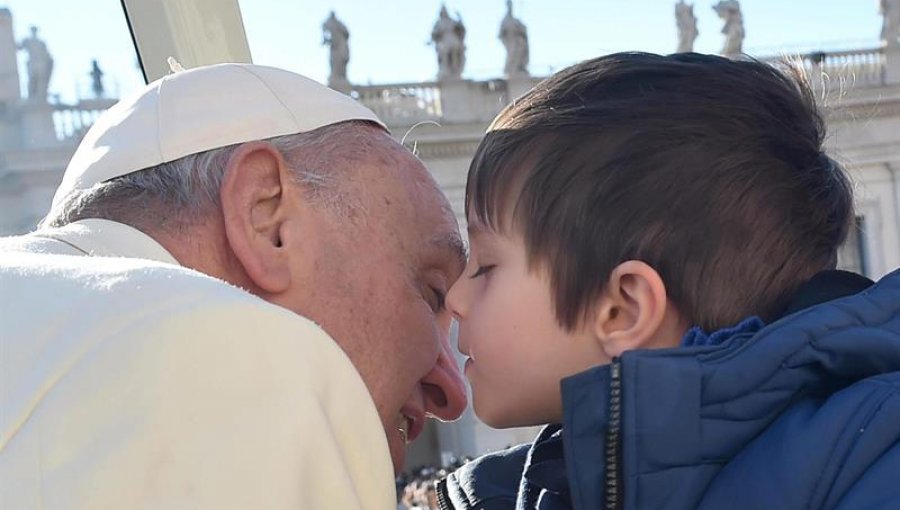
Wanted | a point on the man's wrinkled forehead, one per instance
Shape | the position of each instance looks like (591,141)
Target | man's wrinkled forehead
(399,185)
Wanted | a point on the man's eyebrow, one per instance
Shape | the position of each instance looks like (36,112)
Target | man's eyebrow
(453,244)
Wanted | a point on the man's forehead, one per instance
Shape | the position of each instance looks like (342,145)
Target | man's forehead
(401,184)
(452,247)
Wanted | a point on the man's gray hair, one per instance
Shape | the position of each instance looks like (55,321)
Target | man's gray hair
(180,192)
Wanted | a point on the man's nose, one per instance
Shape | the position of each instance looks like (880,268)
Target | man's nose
(444,389)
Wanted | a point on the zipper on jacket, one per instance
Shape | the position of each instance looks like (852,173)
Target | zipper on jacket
(613,439)
(440,489)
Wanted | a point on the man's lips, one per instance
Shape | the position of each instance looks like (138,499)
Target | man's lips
(412,422)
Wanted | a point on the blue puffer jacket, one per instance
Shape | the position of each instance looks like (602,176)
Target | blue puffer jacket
(801,414)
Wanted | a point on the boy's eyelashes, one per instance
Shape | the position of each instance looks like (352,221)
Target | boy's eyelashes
(482,270)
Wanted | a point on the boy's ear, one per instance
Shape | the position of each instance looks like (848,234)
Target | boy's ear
(632,309)
(253,209)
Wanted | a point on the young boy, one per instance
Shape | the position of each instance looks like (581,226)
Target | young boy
(653,244)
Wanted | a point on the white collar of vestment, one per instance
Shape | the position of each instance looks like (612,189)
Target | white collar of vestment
(105,238)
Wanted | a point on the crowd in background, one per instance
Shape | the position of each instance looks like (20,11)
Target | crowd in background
(416,490)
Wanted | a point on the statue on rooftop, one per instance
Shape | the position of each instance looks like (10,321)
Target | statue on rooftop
(337,37)
(448,37)
(687,26)
(890,28)
(40,66)
(97,79)
(514,35)
(730,12)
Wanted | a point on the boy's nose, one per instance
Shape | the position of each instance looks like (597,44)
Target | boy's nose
(455,299)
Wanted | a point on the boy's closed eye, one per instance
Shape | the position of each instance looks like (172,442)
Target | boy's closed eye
(482,270)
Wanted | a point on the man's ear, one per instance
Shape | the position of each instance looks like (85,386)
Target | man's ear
(254,212)
(632,309)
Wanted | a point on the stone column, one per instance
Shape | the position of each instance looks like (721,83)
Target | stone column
(10,89)
(892,65)
(9,71)
(37,128)
(457,101)
(517,85)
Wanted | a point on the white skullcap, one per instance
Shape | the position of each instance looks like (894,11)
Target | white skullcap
(202,109)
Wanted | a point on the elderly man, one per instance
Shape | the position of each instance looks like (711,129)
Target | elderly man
(236,301)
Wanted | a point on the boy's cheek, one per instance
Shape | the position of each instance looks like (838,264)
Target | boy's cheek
(485,402)
(497,408)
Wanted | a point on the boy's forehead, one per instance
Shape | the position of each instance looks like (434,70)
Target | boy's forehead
(475,226)
(478,230)
(486,235)
(496,222)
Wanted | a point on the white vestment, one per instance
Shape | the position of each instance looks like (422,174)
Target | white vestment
(128,382)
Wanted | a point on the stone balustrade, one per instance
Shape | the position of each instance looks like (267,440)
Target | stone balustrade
(463,101)
(71,122)
(467,101)
(402,103)
(452,101)
(874,67)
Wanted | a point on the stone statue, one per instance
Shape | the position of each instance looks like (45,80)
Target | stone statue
(337,37)
(449,37)
(730,11)
(890,28)
(687,26)
(96,79)
(40,66)
(514,35)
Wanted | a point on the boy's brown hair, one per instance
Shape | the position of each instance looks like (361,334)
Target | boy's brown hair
(710,170)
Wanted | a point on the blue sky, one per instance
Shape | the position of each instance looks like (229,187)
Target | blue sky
(388,42)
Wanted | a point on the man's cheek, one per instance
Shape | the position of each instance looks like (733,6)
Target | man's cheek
(422,339)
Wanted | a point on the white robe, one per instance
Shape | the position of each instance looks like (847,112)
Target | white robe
(129,382)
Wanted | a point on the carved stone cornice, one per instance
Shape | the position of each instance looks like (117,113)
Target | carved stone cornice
(446,149)
(862,111)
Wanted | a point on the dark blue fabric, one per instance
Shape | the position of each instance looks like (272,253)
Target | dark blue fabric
(803,413)
(488,483)
(696,337)
(544,483)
